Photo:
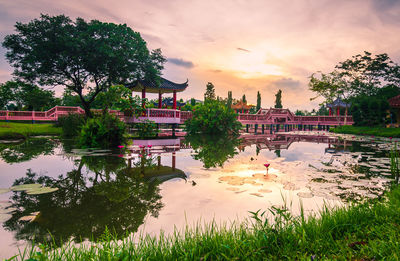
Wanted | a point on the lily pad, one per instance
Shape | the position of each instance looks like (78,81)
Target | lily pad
(25,187)
(4,217)
(4,190)
(42,190)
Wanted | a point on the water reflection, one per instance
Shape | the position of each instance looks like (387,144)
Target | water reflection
(213,150)
(99,192)
(27,150)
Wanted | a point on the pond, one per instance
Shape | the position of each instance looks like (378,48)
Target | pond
(155,185)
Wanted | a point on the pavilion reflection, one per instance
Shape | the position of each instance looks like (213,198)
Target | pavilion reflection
(277,142)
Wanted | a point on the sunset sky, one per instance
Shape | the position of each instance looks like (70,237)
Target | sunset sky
(243,46)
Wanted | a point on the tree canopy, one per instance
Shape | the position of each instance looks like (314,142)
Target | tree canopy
(278,99)
(210,92)
(258,107)
(85,57)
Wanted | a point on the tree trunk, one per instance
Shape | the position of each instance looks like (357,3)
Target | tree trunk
(86,107)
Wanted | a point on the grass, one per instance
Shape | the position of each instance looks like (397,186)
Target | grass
(367,231)
(364,130)
(12,130)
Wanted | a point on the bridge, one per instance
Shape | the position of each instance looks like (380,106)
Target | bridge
(271,118)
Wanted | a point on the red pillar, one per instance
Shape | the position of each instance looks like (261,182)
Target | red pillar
(330,111)
(159,99)
(143,97)
(338,111)
(173,160)
(174,105)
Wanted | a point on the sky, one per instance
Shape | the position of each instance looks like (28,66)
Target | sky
(242,46)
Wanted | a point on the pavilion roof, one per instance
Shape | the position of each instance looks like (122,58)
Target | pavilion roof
(241,105)
(166,86)
(394,102)
(338,103)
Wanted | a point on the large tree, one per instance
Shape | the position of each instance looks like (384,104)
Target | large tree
(85,57)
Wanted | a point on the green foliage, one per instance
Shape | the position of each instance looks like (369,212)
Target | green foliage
(213,117)
(369,110)
(26,96)
(395,163)
(229,100)
(244,98)
(85,57)
(213,150)
(363,75)
(210,92)
(71,124)
(192,102)
(258,107)
(146,129)
(364,130)
(105,131)
(278,99)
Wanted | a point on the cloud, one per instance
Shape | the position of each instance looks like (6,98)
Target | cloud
(181,62)
(242,49)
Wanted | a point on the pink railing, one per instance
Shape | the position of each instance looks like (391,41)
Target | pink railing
(273,116)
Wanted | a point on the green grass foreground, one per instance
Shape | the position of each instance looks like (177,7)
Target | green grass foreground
(361,130)
(12,130)
(366,231)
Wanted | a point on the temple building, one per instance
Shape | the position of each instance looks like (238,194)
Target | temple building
(242,107)
(394,103)
(166,86)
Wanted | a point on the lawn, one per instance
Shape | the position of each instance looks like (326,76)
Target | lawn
(12,130)
(364,130)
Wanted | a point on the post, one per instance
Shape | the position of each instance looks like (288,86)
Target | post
(247,128)
(143,97)
(330,111)
(262,128)
(174,105)
(173,130)
(338,111)
(271,127)
(173,160)
(159,100)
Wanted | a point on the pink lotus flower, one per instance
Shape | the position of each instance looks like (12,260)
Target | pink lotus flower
(121,146)
(140,155)
(149,146)
(141,146)
(390,137)
(267,165)
(120,155)
(149,154)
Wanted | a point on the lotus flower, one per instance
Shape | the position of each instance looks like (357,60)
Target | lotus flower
(120,155)
(121,146)
(390,138)
(141,146)
(140,155)
(149,146)
(267,165)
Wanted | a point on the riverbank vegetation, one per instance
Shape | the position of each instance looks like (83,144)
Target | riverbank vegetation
(367,231)
(12,130)
(364,130)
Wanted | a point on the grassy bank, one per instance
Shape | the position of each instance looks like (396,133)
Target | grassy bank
(376,131)
(367,231)
(12,130)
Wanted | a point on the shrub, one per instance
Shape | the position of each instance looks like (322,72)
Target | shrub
(146,129)
(71,124)
(105,131)
(213,117)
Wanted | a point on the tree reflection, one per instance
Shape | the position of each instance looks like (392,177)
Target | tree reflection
(110,195)
(27,150)
(213,150)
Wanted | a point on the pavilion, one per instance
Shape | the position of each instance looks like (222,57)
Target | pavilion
(166,86)
(338,103)
(169,103)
